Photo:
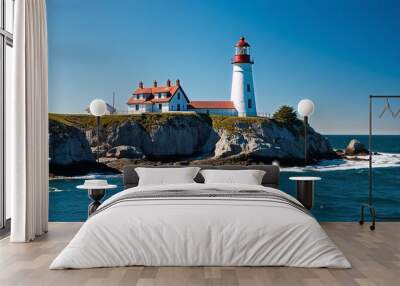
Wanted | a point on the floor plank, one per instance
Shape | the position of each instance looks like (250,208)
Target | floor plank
(375,257)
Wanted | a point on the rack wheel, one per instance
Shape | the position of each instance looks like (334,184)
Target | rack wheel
(361,222)
(372,227)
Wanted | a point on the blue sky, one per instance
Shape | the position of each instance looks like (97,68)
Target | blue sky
(334,52)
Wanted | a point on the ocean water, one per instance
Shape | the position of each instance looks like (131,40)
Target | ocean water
(343,188)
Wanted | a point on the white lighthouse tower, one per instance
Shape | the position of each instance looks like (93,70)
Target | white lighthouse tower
(242,93)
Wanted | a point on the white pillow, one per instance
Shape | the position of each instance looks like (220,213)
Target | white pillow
(166,176)
(248,177)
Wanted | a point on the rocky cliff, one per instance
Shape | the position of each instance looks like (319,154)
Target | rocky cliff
(267,140)
(180,136)
(190,137)
(67,144)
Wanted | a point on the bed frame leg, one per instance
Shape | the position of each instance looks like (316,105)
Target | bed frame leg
(372,212)
(373,215)
(361,221)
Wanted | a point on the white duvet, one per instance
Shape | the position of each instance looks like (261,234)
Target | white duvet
(200,231)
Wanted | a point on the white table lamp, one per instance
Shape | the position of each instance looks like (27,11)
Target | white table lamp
(305,108)
(98,108)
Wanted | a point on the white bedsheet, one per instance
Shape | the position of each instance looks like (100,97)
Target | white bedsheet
(206,231)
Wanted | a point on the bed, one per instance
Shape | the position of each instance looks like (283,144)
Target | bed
(201,224)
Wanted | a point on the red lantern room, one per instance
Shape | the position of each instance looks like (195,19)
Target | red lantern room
(242,52)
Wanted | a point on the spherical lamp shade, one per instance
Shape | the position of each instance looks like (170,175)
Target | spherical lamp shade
(305,107)
(98,107)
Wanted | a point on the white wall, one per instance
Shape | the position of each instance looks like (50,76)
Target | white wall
(173,103)
(155,107)
(163,95)
(165,107)
(242,76)
(142,108)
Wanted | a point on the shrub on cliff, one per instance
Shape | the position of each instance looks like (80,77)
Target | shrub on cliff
(285,114)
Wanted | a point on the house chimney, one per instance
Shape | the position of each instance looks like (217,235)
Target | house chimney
(168,83)
(140,84)
(178,82)
(155,83)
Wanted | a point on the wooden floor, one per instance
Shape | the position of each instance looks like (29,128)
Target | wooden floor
(375,257)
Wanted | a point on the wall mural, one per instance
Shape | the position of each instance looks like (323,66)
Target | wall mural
(210,104)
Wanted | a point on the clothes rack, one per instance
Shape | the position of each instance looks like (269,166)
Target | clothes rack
(370,204)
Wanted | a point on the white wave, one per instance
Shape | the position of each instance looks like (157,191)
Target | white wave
(96,176)
(89,177)
(383,160)
(55,190)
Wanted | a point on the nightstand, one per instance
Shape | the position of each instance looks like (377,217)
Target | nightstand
(96,190)
(305,190)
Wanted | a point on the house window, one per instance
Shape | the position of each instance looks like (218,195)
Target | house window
(249,103)
(159,95)
(178,107)
(248,88)
(179,96)
(6,44)
(137,107)
(160,106)
(137,96)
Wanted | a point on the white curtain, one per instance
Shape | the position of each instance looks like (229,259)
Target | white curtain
(27,123)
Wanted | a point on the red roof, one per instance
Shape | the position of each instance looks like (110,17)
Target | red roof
(134,100)
(242,43)
(153,94)
(211,105)
(161,100)
(159,89)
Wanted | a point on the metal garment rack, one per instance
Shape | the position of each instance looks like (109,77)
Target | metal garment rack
(370,204)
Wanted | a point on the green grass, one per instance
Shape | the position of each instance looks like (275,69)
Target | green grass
(149,120)
(78,120)
(229,123)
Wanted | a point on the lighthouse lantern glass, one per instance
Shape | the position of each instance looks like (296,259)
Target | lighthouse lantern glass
(242,50)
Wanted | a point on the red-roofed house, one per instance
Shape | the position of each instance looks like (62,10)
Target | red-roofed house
(158,98)
(173,98)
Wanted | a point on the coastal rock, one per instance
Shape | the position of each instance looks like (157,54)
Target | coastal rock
(178,136)
(128,133)
(268,140)
(355,147)
(127,152)
(68,144)
(192,137)
(101,150)
(210,144)
(181,136)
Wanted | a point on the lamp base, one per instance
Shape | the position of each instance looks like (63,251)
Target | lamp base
(96,196)
(305,140)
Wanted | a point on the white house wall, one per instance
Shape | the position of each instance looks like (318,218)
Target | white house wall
(173,103)
(142,108)
(160,95)
(156,107)
(165,107)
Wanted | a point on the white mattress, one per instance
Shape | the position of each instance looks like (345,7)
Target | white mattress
(200,231)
